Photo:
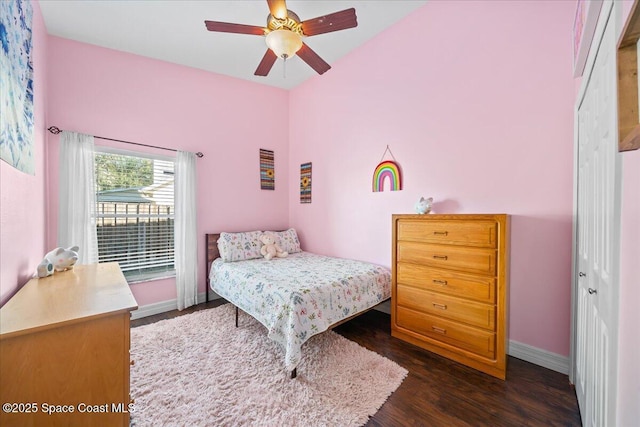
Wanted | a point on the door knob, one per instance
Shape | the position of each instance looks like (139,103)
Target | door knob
(581,274)
(592,291)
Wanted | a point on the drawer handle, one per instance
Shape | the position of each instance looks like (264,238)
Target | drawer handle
(443,257)
(440,233)
(440,306)
(439,330)
(440,282)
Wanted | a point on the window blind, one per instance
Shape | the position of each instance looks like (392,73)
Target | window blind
(135,214)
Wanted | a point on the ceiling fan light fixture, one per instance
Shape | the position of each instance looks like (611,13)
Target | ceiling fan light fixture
(284,43)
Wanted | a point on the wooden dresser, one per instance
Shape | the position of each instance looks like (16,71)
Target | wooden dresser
(449,286)
(64,346)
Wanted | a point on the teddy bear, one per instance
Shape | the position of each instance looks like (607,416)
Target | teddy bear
(59,259)
(270,248)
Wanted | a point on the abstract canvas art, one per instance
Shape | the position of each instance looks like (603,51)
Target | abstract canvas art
(16,80)
(267,171)
(305,183)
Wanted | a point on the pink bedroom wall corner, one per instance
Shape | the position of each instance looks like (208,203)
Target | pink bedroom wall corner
(476,105)
(23,196)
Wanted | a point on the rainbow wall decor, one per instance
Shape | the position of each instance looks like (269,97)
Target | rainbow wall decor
(387,169)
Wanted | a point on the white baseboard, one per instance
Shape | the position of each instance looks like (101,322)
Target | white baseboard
(528,353)
(539,357)
(164,306)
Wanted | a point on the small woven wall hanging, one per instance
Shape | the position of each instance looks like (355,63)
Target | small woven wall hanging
(387,170)
(267,170)
(305,183)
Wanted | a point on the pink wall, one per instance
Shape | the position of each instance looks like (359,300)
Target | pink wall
(118,95)
(629,317)
(476,104)
(22,196)
(628,409)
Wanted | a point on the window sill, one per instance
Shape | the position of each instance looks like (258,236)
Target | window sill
(164,275)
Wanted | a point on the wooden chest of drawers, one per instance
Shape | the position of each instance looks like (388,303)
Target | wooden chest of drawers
(64,350)
(449,286)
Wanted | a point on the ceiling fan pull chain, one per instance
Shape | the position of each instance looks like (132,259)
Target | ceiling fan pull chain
(284,67)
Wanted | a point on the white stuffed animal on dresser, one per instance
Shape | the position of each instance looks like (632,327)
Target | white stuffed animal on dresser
(423,206)
(59,259)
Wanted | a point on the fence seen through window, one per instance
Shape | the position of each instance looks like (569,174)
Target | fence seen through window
(135,214)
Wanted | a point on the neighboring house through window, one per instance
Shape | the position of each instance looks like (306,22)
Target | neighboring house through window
(135,213)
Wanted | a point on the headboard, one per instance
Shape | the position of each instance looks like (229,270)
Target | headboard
(212,248)
(212,253)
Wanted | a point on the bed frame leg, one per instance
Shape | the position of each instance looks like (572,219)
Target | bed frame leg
(294,373)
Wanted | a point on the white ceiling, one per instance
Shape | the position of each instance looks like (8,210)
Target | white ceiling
(174,31)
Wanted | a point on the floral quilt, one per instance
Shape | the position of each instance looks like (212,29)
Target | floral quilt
(301,295)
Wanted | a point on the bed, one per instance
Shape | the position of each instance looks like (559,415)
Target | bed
(298,296)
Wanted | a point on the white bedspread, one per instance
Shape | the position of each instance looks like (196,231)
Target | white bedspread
(301,295)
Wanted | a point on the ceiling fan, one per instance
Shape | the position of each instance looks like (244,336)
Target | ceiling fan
(284,33)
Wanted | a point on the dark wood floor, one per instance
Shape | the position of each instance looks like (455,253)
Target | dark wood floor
(440,392)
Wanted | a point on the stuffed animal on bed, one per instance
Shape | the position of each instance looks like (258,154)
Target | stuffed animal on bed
(270,248)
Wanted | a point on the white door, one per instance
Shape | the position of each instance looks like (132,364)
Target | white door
(596,298)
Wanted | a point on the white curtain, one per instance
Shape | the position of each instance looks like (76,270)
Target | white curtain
(77,204)
(186,244)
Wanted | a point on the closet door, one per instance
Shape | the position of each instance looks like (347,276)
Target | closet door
(596,298)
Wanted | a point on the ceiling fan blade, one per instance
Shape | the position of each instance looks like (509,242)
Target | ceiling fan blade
(313,59)
(278,8)
(227,27)
(267,62)
(329,23)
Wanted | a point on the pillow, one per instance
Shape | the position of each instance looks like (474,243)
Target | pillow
(239,246)
(288,240)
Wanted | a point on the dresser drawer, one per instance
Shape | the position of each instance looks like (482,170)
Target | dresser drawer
(458,309)
(479,288)
(480,234)
(473,260)
(467,338)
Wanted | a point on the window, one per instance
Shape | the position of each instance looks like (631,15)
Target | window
(135,213)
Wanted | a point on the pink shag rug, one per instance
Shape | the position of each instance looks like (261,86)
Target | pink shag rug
(199,369)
